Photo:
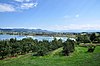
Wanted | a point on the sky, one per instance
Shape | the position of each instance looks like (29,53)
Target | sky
(50,14)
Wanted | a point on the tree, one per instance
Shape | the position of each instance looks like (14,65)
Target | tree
(97,39)
(92,37)
(91,48)
(59,42)
(12,40)
(42,49)
(54,44)
(68,47)
(4,48)
(83,39)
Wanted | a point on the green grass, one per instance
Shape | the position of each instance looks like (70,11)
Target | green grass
(78,58)
(55,52)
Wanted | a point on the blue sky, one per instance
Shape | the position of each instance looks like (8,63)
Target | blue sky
(50,14)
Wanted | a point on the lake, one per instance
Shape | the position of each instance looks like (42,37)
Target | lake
(40,38)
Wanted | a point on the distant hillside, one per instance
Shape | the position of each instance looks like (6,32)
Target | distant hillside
(79,31)
(25,30)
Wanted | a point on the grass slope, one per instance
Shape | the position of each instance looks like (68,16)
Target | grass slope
(78,58)
(55,52)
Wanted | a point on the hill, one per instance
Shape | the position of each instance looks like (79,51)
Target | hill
(25,30)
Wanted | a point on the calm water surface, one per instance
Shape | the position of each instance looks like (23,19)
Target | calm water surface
(18,37)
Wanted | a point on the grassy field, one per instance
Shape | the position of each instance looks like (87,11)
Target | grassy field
(78,58)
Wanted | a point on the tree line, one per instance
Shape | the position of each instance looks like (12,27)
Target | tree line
(88,38)
(13,47)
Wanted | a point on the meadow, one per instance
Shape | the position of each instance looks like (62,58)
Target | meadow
(79,57)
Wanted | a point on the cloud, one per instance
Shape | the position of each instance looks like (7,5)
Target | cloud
(23,0)
(19,0)
(6,8)
(75,27)
(28,5)
(77,15)
(17,5)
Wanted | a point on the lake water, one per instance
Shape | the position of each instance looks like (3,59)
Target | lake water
(40,38)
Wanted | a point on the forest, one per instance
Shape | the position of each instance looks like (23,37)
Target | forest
(15,47)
